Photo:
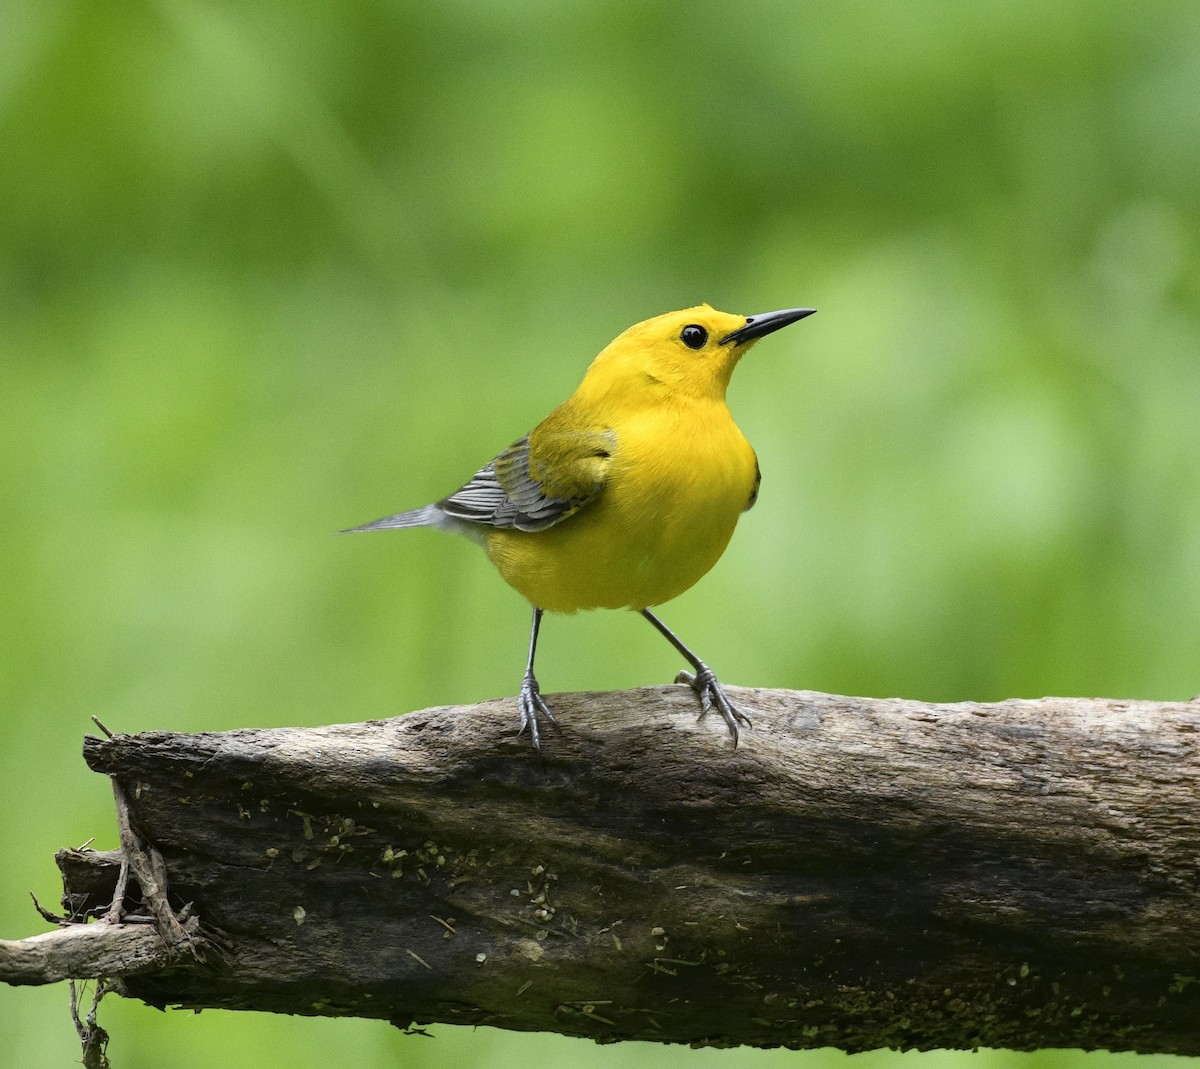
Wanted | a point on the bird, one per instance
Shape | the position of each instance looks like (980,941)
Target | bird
(626,494)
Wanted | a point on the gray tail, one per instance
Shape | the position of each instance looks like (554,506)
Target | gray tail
(426,516)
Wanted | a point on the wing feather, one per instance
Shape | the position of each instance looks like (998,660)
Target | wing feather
(757,484)
(536,482)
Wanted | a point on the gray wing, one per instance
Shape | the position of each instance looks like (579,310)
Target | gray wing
(516,492)
(757,484)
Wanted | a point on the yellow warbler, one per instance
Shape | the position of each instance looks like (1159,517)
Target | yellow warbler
(628,492)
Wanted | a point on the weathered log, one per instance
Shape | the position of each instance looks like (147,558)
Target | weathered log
(857,873)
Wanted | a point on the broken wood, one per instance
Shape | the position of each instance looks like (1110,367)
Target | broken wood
(858,873)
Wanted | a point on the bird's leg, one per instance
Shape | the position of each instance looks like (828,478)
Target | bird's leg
(703,682)
(530,700)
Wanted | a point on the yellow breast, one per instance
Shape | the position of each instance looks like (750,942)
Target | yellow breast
(680,477)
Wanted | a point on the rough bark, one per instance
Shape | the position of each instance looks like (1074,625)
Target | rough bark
(857,873)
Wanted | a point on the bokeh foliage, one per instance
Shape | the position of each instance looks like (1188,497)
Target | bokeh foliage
(269,270)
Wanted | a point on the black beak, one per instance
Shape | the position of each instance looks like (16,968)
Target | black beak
(760,325)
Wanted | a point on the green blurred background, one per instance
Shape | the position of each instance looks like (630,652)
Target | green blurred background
(270,270)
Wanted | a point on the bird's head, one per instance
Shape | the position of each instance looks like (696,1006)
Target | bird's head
(690,353)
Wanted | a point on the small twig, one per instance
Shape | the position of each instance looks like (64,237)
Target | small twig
(45,914)
(116,909)
(147,865)
(410,1030)
(96,721)
(92,1038)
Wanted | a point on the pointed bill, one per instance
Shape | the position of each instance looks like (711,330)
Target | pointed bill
(767,323)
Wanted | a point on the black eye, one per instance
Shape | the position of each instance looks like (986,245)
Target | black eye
(694,336)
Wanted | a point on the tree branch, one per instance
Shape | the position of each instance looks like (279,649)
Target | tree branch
(857,873)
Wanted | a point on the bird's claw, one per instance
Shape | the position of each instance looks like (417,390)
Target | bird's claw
(531,703)
(710,693)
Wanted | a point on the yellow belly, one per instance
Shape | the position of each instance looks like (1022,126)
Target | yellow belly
(663,518)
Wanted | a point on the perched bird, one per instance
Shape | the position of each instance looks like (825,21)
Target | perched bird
(627,493)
